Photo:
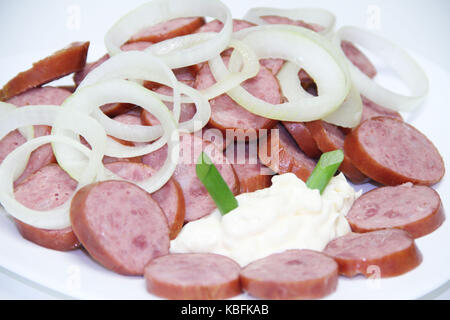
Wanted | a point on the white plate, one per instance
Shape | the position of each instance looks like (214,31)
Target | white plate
(76,275)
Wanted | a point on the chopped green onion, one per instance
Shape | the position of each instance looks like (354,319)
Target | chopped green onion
(214,183)
(325,169)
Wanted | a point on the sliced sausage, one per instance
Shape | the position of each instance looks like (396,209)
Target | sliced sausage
(252,174)
(169,29)
(382,253)
(120,225)
(47,189)
(227,114)
(217,137)
(416,209)
(193,276)
(280,153)
(41,96)
(292,274)
(43,155)
(170,197)
(328,138)
(358,58)
(303,138)
(197,199)
(393,152)
(372,110)
(61,63)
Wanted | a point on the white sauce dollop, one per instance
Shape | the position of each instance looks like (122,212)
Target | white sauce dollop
(287,215)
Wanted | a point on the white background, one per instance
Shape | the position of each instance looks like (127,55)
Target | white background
(30,30)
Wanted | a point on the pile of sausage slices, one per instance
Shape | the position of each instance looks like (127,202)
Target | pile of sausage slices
(129,230)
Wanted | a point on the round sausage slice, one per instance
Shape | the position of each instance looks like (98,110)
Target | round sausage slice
(292,274)
(358,58)
(120,225)
(393,152)
(193,276)
(169,29)
(382,253)
(58,65)
(227,114)
(372,110)
(328,138)
(303,138)
(416,209)
(197,199)
(170,197)
(252,174)
(280,153)
(286,20)
(47,189)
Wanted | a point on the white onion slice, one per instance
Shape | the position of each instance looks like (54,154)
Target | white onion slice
(28,131)
(157,11)
(143,66)
(57,218)
(248,67)
(321,17)
(347,115)
(92,97)
(398,59)
(303,47)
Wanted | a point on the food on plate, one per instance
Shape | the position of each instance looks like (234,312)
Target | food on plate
(227,114)
(202,157)
(46,189)
(328,138)
(280,153)
(303,137)
(287,215)
(168,30)
(382,253)
(43,155)
(251,173)
(393,152)
(292,274)
(414,208)
(170,197)
(193,276)
(61,63)
(358,59)
(372,110)
(120,225)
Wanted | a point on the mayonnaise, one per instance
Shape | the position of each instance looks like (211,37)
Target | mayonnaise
(287,215)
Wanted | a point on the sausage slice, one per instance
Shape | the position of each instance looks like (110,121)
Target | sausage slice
(393,152)
(382,253)
(287,157)
(303,137)
(416,209)
(193,276)
(227,114)
(292,274)
(120,225)
(328,138)
(197,199)
(252,174)
(59,64)
(169,29)
(358,58)
(47,189)
(372,110)
(170,197)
